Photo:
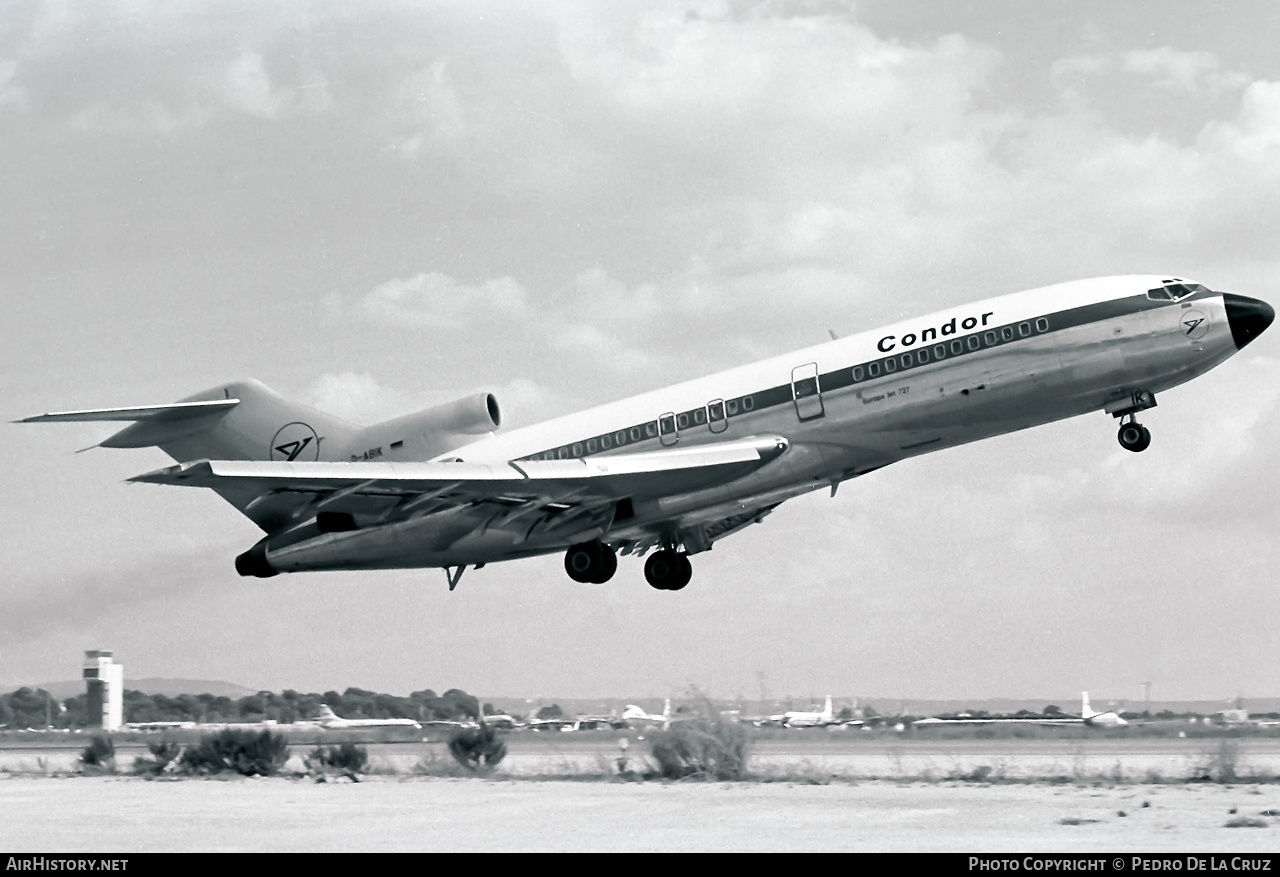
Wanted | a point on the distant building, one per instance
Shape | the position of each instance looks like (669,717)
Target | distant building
(104,679)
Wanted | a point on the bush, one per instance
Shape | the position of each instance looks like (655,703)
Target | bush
(163,754)
(100,753)
(708,747)
(477,749)
(249,753)
(348,758)
(1218,763)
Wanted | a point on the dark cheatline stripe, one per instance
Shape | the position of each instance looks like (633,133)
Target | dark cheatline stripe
(761,400)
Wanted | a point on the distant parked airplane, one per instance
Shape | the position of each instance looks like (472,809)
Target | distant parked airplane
(330,720)
(797,719)
(677,469)
(636,715)
(1108,719)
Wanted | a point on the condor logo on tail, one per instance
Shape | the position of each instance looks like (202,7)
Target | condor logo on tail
(293,441)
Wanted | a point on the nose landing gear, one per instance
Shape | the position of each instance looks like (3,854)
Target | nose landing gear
(590,562)
(1133,436)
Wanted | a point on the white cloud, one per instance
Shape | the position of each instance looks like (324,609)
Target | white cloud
(363,399)
(358,398)
(1182,71)
(435,300)
(1255,133)
(428,105)
(11,93)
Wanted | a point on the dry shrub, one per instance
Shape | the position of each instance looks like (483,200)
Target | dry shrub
(164,754)
(1245,822)
(100,754)
(477,749)
(347,758)
(233,750)
(706,747)
(1218,763)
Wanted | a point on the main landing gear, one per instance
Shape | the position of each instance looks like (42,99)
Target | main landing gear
(1133,436)
(668,570)
(590,562)
(595,563)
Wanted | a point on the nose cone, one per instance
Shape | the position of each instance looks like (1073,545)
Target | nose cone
(1248,317)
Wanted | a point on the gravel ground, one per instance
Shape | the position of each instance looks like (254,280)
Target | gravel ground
(118,814)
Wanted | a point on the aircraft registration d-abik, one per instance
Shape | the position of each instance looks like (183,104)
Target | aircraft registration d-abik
(676,470)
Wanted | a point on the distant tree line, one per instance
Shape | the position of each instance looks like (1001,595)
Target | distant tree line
(27,708)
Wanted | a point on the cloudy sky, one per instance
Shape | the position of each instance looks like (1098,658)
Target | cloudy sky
(378,207)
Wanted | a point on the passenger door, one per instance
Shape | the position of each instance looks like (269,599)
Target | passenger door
(806,392)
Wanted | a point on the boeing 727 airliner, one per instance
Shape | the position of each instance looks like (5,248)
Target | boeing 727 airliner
(676,470)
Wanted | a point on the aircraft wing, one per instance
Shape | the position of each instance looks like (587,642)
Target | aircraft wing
(389,491)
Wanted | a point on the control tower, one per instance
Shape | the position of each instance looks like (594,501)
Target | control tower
(105,680)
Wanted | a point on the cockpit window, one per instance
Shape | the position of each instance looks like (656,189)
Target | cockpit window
(1174,291)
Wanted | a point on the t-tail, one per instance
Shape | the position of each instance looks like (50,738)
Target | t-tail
(246,420)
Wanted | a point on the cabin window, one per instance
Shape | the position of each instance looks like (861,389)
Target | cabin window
(682,420)
(957,347)
(592,446)
(732,407)
(1007,333)
(635,433)
(940,352)
(699,416)
(651,429)
(748,403)
(923,355)
(891,365)
(973,342)
(858,373)
(1024,329)
(873,369)
(990,338)
(577,449)
(907,361)
(563,453)
(606,441)
(1042,325)
(667,424)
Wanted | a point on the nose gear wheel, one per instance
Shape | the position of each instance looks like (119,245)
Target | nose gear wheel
(1133,436)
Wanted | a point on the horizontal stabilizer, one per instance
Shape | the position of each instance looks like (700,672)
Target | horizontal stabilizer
(159,413)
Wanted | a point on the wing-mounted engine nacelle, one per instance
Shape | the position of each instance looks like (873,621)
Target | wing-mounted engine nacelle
(428,433)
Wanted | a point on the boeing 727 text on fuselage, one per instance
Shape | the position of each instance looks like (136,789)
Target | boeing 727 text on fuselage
(671,472)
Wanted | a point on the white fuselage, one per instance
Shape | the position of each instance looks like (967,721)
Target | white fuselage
(845,407)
